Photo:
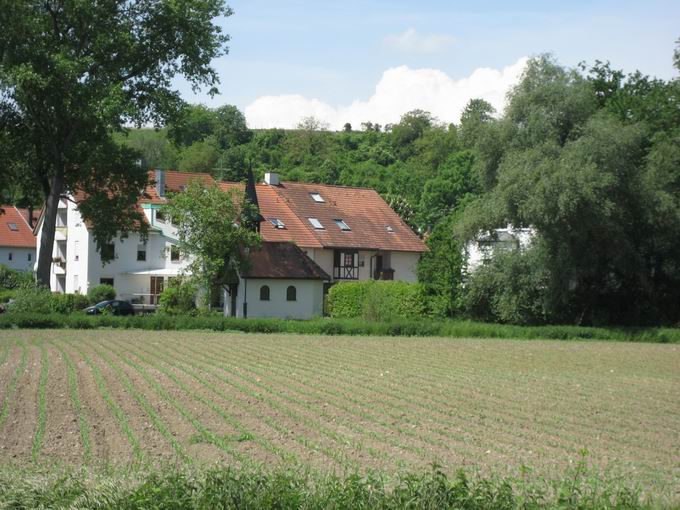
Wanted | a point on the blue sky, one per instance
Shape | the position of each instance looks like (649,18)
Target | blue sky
(288,54)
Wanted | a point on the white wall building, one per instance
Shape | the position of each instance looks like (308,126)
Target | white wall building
(481,250)
(17,242)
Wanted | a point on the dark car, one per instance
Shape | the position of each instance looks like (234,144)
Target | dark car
(114,307)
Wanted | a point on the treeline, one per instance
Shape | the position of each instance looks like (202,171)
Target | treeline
(588,157)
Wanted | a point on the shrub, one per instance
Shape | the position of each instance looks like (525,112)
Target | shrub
(101,293)
(13,279)
(6,295)
(68,303)
(377,300)
(511,289)
(32,299)
(178,298)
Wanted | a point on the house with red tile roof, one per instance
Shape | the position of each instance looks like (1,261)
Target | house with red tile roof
(313,235)
(17,243)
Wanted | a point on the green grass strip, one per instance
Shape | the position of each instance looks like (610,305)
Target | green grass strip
(83,424)
(116,410)
(155,418)
(42,404)
(4,412)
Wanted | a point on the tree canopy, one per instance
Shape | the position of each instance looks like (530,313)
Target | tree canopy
(73,73)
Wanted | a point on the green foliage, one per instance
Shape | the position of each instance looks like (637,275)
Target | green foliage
(178,297)
(376,300)
(357,327)
(32,299)
(208,227)
(248,488)
(69,303)
(13,279)
(589,161)
(100,293)
(62,96)
(512,289)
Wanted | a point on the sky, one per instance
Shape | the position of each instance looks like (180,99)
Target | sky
(373,60)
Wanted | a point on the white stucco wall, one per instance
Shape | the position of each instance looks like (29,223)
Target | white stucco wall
(20,258)
(477,253)
(84,268)
(405,264)
(309,303)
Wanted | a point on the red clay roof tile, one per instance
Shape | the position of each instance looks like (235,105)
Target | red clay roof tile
(23,236)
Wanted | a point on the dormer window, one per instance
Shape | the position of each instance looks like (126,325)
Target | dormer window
(317,197)
(342,225)
(316,223)
(277,223)
(13,227)
(389,229)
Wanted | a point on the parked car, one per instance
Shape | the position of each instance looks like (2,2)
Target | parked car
(113,306)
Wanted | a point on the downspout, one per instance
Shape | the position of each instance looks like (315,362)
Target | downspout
(245,297)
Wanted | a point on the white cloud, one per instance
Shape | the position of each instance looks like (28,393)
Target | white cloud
(399,90)
(411,41)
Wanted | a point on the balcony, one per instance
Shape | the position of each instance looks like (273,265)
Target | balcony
(59,264)
(60,233)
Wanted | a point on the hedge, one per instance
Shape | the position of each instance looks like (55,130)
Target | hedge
(400,327)
(377,300)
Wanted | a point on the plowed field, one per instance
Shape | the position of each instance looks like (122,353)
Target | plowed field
(339,403)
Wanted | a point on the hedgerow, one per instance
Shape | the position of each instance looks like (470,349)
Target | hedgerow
(329,326)
(377,300)
(228,488)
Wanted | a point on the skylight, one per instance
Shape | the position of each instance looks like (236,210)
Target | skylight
(316,223)
(317,197)
(277,223)
(389,229)
(13,226)
(343,226)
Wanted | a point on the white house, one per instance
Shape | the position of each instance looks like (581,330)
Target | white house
(281,282)
(17,243)
(343,233)
(139,271)
(481,250)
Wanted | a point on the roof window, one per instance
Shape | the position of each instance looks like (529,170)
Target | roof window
(343,226)
(316,223)
(317,197)
(13,226)
(277,223)
(389,229)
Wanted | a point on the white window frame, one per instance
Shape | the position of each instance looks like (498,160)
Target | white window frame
(316,196)
(342,225)
(316,224)
(277,223)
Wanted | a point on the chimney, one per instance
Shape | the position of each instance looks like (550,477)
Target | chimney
(160,182)
(271,178)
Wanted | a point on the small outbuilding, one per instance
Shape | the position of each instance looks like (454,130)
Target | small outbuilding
(282,281)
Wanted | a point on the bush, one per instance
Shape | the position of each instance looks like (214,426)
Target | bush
(13,279)
(101,293)
(511,289)
(68,303)
(377,300)
(6,295)
(32,299)
(178,298)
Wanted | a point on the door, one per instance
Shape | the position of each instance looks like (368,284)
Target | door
(156,287)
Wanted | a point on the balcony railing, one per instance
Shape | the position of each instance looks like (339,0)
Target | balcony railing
(346,273)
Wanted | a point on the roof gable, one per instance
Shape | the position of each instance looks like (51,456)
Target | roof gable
(14,228)
(283,260)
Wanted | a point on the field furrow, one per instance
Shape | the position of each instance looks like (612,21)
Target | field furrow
(339,404)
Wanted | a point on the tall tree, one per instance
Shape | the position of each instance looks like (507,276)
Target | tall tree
(212,226)
(73,72)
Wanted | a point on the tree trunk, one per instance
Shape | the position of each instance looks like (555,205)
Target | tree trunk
(48,229)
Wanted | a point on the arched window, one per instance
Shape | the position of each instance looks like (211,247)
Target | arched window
(291,293)
(264,293)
